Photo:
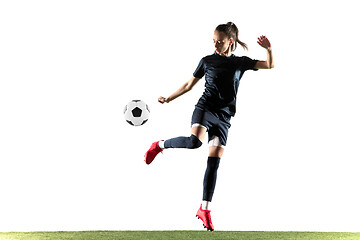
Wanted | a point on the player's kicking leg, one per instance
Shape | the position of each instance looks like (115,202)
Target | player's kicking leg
(192,142)
(153,151)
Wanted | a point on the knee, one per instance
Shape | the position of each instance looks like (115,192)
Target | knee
(193,142)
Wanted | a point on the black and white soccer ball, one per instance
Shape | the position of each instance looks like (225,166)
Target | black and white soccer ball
(136,113)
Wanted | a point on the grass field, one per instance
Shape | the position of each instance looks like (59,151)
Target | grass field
(178,235)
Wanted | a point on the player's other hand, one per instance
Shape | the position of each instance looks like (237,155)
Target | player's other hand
(264,42)
(162,100)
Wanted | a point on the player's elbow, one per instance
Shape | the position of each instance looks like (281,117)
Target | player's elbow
(271,62)
(188,86)
(191,83)
(269,65)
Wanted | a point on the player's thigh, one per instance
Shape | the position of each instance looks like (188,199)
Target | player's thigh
(216,151)
(199,132)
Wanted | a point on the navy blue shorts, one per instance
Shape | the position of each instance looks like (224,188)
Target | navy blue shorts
(217,124)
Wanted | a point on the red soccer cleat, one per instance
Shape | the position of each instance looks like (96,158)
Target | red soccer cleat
(152,152)
(204,215)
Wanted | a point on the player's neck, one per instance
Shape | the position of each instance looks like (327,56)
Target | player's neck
(228,53)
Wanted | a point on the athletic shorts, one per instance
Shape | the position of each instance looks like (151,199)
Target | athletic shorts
(217,124)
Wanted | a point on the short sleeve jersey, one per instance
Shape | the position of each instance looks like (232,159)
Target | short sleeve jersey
(222,79)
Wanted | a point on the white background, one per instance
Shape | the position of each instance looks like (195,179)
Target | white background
(69,161)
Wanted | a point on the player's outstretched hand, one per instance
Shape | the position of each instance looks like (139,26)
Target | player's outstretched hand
(162,100)
(264,42)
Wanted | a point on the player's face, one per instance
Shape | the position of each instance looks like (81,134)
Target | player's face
(222,43)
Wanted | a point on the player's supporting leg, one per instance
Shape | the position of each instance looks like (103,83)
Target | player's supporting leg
(210,179)
(216,151)
(192,142)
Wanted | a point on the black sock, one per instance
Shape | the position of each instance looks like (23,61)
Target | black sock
(210,178)
(191,142)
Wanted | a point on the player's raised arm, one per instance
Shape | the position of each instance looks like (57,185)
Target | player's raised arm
(264,42)
(182,90)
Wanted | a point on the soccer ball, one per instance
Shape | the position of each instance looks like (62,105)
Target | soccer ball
(136,112)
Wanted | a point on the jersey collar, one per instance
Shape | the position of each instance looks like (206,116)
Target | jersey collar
(232,55)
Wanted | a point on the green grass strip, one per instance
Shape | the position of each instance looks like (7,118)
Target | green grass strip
(178,235)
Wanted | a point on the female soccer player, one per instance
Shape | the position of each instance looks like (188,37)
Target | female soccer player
(223,71)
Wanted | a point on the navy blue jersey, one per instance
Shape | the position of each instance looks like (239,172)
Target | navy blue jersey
(222,79)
